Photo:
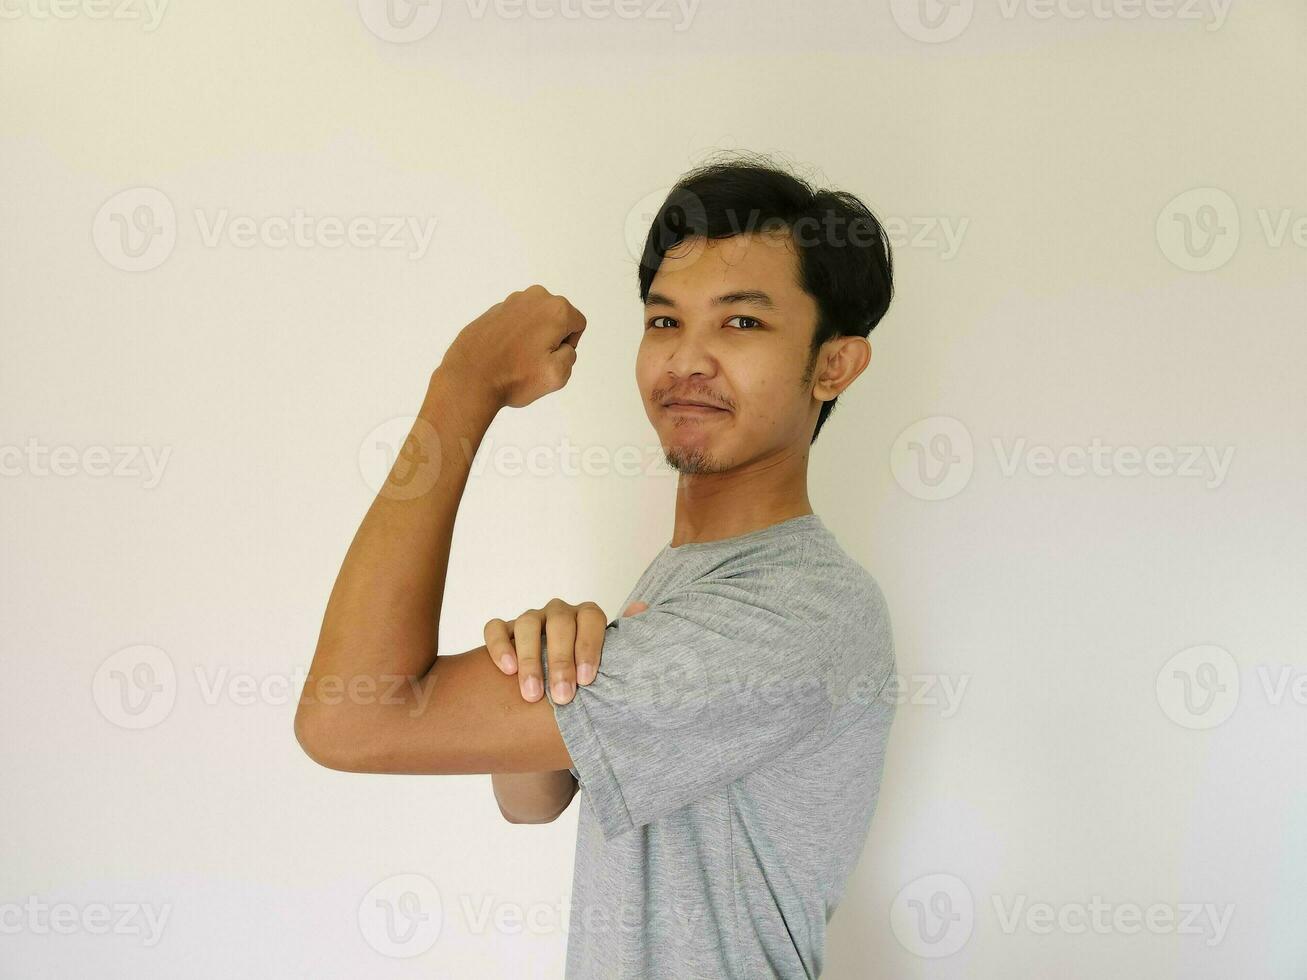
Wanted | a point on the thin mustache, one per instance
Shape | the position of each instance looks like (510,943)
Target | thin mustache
(661,396)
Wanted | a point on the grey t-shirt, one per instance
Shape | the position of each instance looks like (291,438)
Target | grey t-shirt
(729,755)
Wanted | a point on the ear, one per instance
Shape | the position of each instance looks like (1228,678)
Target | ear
(839,362)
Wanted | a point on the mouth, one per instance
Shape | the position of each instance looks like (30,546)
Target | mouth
(693,409)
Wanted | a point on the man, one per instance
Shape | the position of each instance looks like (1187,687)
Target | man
(728,732)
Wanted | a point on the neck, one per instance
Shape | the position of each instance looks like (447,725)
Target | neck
(712,506)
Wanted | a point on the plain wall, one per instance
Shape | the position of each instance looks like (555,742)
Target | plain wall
(1100,751)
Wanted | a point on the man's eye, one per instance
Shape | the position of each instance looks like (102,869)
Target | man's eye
(752,323)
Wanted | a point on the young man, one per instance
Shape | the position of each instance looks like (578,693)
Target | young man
(730,744)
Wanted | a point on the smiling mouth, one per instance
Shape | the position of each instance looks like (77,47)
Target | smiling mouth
(683,408)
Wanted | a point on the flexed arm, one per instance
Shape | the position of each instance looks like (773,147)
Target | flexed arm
(377,697)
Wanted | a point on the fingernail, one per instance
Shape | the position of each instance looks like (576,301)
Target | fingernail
(585,673)
(562,691)
(531,688)
(506,661)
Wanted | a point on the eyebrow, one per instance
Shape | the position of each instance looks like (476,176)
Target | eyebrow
(754,297)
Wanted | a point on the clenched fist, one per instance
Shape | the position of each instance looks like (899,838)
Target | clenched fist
(522,348)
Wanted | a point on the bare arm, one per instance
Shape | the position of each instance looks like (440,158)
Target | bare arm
(377,698)
(533,797)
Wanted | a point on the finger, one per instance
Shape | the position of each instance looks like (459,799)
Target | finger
(560,631)
(590,625)
(635,607)
(565,353)
(499,644)
(575,325)
(579,321)
(526,637)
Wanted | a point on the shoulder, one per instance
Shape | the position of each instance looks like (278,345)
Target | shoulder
(803,581)
(840,585)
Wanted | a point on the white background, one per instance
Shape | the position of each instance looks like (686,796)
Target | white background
(1071,151)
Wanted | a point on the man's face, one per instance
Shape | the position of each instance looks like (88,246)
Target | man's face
(727,323)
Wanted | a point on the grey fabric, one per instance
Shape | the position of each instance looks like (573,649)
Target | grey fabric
(729,754)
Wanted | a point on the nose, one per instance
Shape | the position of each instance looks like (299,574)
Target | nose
(690,354)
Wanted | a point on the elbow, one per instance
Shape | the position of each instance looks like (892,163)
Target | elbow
(323,742)
(548,817)
(539,820)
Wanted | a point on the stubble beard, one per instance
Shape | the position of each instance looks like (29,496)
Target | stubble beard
(689,462)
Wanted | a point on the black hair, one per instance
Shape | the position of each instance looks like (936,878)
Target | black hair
(845,262)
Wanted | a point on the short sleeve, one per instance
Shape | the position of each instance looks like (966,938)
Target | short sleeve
(692,694)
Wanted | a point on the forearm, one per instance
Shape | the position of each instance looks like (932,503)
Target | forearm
(533,797)
(379,632)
